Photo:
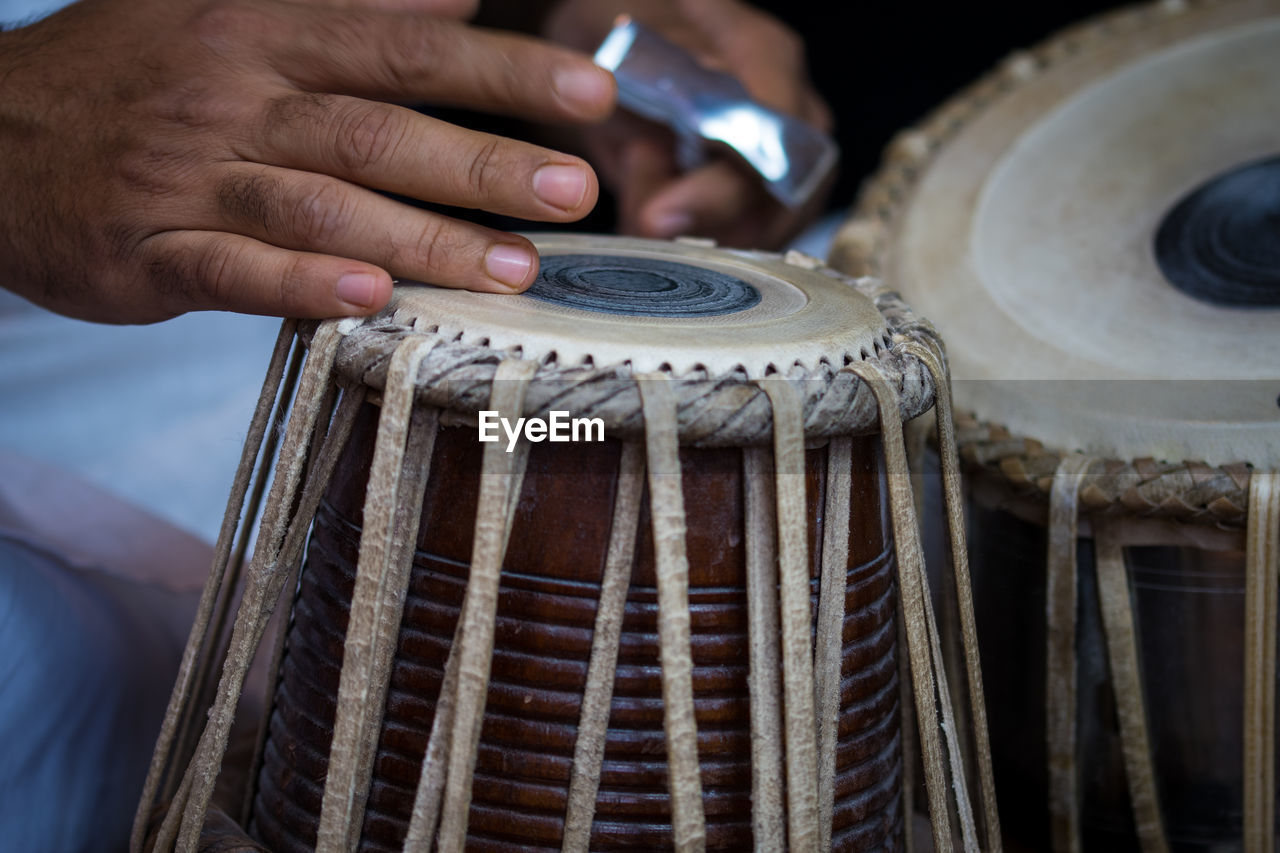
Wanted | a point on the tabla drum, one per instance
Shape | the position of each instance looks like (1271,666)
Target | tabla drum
(615,563)
(1095,228)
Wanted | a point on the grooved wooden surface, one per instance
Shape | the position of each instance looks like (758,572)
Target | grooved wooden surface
(546,610)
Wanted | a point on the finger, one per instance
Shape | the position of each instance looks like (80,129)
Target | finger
(391,148)
(405,56)
(708,201)
(315,213)
(206,270)
(647,165)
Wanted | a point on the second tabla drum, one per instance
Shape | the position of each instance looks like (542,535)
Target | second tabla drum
(1095,228)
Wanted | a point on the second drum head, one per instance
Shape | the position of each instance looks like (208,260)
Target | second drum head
(1027,232)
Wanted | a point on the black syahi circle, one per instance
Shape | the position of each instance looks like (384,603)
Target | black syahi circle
(1221,242)
(640,286)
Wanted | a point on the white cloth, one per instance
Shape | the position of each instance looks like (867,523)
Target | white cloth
(86,663)
(156,414)
(89,649)
(18,12)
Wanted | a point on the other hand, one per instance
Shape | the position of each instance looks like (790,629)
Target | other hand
(722,199)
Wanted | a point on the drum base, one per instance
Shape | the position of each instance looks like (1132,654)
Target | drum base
(1189,606)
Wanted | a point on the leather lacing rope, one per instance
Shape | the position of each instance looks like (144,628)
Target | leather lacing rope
(931,357)
(402,452)
(1262,564)
(279,548)
(793,685)
(179,700)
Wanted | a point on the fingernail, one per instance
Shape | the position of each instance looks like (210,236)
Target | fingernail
(357,288)
(561,186)
(508,264)
(671,223)
(583,86)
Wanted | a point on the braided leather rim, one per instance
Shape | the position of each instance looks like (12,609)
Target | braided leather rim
(713,410)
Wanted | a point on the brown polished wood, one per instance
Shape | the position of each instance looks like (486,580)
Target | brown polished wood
(546,612)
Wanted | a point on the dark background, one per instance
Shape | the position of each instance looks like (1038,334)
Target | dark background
(883,66)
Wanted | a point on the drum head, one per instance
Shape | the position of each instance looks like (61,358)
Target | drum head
(652,305)
(1096,235)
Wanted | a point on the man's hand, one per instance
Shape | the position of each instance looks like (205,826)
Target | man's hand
(161,156)
(722,199)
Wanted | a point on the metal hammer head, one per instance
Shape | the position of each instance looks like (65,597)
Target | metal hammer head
(663,83)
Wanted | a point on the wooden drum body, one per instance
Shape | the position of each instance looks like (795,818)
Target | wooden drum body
(1093,228)
(546,610)
(678,631)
